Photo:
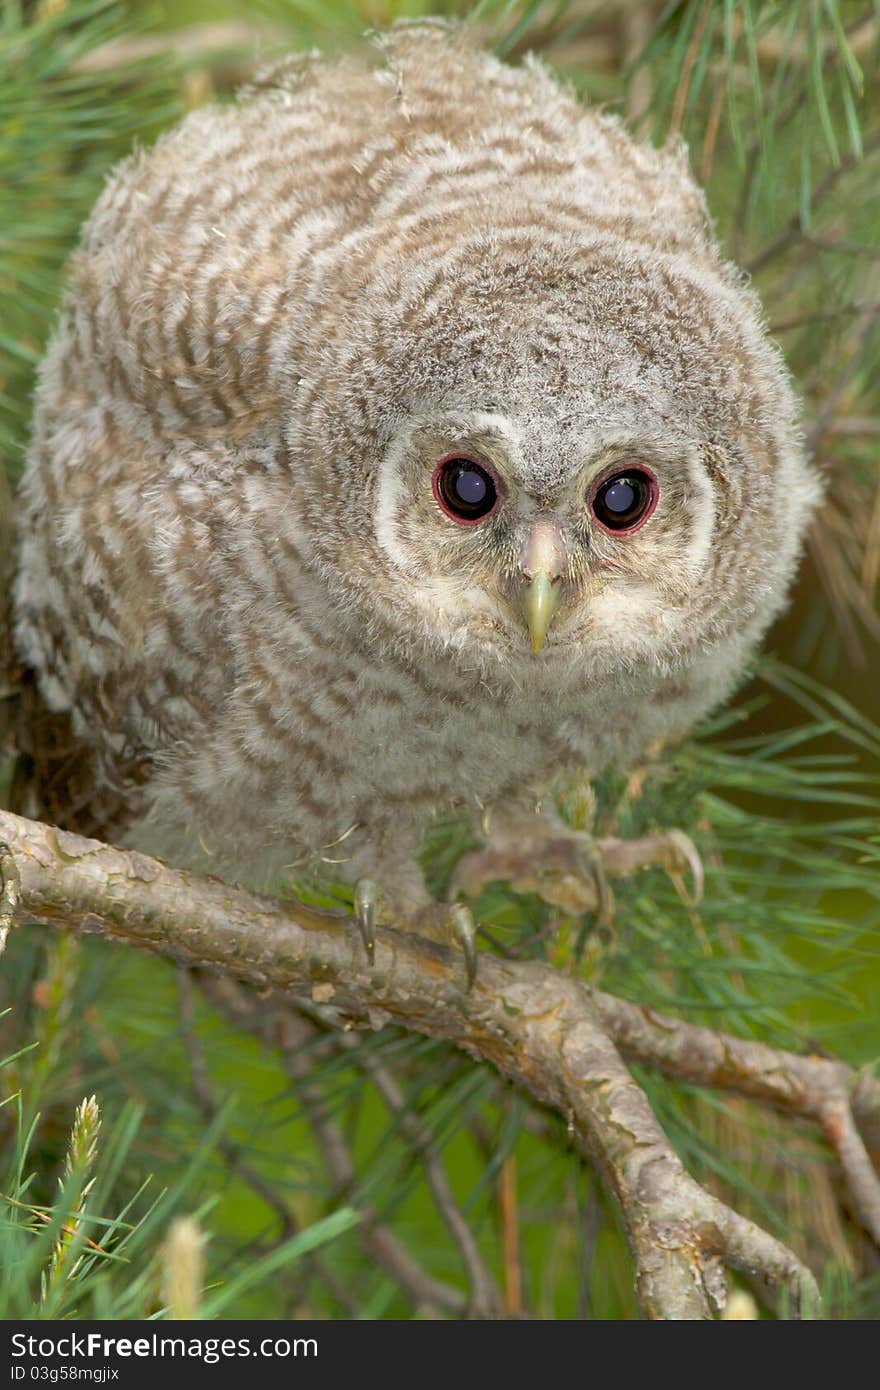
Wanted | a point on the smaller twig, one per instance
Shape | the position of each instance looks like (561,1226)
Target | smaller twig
(288,1225)
(426,1293)
(508,1213)
(485,1300)
(204,1094)
(837,1122)
(846,248)
(292,1033)
(844,378)
(684,84)
(10,892)
(823,315)
(748,1248)
(853,425)
(710,140)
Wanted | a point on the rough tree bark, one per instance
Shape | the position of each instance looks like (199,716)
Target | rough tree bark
(563,1042)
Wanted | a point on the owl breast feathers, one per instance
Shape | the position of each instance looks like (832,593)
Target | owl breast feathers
(403,442)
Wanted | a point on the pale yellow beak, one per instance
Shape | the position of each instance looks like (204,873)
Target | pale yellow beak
(542,562)
(540,603)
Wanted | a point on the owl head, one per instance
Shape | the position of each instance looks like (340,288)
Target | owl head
(563,449)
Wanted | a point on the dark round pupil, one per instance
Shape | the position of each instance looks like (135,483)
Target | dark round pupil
(620,496)
(621,501)
(468,491)
(470,487)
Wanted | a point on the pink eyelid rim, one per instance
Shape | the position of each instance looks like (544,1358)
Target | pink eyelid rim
(622,472)
(438,498)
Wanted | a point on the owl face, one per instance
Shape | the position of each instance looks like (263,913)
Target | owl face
(530,563)
(563,474)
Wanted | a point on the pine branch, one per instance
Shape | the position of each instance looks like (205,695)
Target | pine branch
(558,1039)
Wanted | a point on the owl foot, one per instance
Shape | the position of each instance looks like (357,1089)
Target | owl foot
(572,869)
(437,920)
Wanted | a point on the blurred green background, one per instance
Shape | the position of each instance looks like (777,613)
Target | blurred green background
(780,107)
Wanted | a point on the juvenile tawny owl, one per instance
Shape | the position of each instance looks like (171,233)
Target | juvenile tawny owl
(404,442)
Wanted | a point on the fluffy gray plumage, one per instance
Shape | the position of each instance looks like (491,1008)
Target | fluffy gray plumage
(234,574)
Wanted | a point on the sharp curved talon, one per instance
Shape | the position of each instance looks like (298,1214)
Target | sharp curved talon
(366,895)
(461,920)
(688,857)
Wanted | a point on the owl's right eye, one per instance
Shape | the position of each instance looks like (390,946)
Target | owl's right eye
(465,490)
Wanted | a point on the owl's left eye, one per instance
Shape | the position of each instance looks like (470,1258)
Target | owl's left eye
(624,501)
(465,490)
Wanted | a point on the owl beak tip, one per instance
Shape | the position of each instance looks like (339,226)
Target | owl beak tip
(541,601)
